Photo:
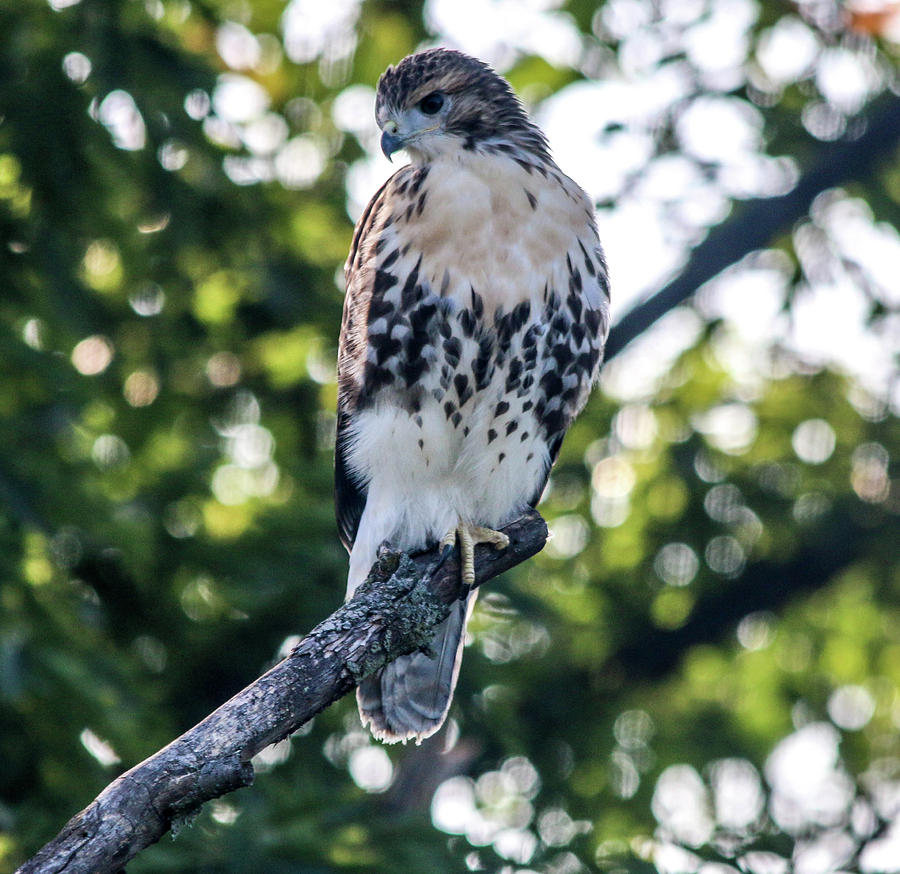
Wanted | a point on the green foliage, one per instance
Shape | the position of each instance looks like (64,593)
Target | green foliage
(724,572)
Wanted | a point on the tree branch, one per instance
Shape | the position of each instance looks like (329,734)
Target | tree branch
(393,613)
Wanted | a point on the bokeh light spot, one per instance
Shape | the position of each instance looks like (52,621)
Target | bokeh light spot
(869,473)
(725,555)
(371,768)
(729,427)
(755,632)
(109,451)
(101,750)
(813,441)
(119,114)
(681,804)
(77,67)
(141,388)
(633,729)
(737,793)
(92,355)
(851,707)
(676,564)
(569,536)
(147,299)
(223,369)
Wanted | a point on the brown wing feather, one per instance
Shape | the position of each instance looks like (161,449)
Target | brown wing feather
(349,494)
(600,320)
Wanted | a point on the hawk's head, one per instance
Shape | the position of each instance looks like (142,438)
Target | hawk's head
(441,100)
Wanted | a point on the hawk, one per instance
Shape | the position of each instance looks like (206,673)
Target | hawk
(476,311)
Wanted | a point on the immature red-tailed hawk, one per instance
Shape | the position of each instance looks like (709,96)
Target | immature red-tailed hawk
(476,312)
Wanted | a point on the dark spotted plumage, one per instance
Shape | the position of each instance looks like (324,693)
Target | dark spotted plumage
(473,328)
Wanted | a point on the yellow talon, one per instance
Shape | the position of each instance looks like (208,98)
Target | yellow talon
(469,536)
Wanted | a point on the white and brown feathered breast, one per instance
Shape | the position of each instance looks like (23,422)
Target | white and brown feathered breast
(474,324)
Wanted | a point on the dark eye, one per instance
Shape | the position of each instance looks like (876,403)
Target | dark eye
(432,103)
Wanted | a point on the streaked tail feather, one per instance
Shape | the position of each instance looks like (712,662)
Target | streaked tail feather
(409,698)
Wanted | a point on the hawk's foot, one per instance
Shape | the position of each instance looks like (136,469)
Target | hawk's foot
(469,535)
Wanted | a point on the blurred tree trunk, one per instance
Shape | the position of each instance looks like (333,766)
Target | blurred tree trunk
(757,222)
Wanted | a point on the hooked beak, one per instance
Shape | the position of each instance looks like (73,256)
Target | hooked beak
(390,142)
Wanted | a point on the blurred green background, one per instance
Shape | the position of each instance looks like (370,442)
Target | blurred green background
(700,672)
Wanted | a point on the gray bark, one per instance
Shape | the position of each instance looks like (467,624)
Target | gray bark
(393,613)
